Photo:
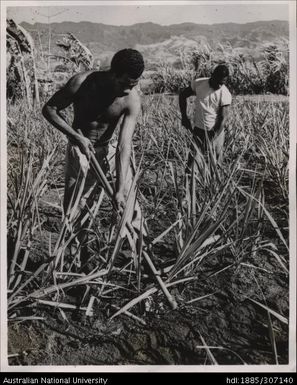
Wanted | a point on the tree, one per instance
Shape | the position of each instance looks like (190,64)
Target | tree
(21,66)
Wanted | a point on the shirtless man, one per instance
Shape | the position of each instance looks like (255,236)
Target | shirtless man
(210,112)
(100,100)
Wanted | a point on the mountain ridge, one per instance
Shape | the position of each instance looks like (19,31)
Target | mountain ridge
(103,39)
(147,33)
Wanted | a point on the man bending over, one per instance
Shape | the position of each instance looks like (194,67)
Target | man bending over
(101,99)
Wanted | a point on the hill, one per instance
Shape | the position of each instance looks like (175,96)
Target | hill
(158,41)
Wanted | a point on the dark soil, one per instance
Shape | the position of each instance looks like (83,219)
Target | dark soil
(226,319)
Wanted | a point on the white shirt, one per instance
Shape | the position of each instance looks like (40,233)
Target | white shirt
(207,103)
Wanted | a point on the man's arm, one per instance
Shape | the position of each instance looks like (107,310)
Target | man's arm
(124,148)
(183,96)
(221,120)
(58,102)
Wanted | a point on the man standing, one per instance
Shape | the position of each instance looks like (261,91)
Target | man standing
(210,111)
(101,99)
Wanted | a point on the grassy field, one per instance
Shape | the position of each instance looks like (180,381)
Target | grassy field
(218,239)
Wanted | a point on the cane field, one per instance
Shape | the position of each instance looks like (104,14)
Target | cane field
(206,279)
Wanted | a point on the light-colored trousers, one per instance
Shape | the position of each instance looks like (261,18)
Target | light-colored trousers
(75,166)
(214,144)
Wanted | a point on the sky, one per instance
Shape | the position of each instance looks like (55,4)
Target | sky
(208,12)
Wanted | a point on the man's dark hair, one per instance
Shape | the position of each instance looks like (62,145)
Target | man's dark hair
(127,61)
(221,71)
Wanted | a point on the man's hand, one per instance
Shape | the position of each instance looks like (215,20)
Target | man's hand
(187,123)
(182,101)
(221,120)
(120,200)
(85,146)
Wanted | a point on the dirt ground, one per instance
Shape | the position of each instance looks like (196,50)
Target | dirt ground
(222,317)
(235,329)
